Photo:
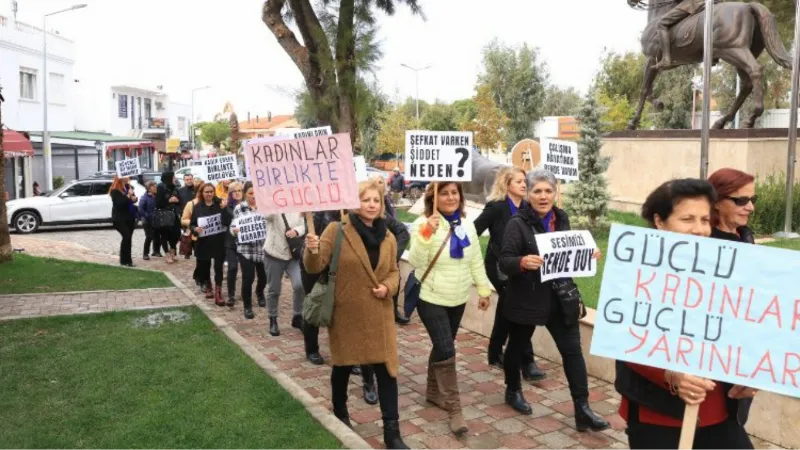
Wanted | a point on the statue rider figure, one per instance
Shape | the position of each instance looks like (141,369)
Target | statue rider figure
(682,10)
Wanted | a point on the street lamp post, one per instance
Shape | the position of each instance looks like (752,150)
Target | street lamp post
(416,75)
(48,157)
(191,125)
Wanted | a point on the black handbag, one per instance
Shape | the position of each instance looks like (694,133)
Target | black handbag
(295,243)
(413,285)
(164,218)
(570,300)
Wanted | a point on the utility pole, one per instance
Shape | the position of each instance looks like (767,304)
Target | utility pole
(416,74)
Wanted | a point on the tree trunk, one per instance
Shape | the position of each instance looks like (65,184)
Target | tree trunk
(5,237)
(346,68)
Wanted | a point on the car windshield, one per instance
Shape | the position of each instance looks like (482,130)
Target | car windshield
(56,192)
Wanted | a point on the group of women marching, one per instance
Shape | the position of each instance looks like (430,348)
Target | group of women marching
(445,246)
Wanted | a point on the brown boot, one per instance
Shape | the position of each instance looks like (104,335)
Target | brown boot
(433,395)
(447,381)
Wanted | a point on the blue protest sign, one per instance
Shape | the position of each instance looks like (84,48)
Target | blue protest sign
(718,309)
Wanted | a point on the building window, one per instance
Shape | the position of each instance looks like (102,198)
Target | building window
(56,88)
(148,108)
(27,83)
(181,126)
(123,106)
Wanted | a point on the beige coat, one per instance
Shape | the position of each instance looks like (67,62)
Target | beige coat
(363,330)
(276,244)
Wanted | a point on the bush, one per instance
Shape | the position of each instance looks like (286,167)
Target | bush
(58,182)
(770,210)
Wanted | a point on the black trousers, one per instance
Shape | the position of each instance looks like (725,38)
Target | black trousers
(151,236)
(125,229)
(568,341)
(387,389)
(204,270)
(250,271)
(500,331)
(442,323)
(310,338)
(728,434)
(170,238)
(233,269)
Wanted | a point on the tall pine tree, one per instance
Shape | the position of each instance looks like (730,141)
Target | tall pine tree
(588,199)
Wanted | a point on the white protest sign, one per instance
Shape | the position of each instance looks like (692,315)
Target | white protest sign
(560,158)
(294,133)
(221,168)
(438,156)
(252,228)
(567,254)
(127,167)
(211,225)
(361,168)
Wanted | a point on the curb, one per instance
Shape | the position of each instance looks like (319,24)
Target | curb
(83,313)
(84,292)
(344,434)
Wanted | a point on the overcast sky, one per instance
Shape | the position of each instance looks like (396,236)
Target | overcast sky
(183,44)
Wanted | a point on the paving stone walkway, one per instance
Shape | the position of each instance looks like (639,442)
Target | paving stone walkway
(492,424)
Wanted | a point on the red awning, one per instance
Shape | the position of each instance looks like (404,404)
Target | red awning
(15,144)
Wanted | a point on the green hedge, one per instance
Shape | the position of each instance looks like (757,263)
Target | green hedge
(771,206)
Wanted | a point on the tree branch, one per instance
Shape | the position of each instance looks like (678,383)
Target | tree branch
(271,16)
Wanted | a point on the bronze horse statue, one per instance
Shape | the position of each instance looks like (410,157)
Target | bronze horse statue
(741,32)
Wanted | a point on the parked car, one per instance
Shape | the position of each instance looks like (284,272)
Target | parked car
(195,171)
(81,202)
(142,178)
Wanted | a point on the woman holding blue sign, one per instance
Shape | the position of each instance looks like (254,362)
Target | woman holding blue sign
(530,302)
(653,399)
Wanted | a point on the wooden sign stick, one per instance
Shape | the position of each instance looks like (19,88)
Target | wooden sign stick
(310,225)
(689,427)
(435,197)
(558,191)
(342,215)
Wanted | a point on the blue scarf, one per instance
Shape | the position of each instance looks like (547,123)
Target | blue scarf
(547,220)
(511,205)
(457,245)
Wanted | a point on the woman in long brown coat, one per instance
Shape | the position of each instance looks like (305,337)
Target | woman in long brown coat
(363,330)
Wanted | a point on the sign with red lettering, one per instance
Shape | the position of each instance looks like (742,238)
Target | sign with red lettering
(312,174)
(722,310)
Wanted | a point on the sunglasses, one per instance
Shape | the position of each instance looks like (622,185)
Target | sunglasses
(743,201)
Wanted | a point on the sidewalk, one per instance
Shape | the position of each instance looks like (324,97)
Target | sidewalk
(492,424)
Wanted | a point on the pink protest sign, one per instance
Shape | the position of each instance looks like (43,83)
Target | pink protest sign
(312,174)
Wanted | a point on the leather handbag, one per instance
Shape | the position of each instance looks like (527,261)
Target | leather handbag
(570,300)
(413,285)
(164,218)
(318,304)
(295,243)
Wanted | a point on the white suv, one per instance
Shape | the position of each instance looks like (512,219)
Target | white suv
(81,202)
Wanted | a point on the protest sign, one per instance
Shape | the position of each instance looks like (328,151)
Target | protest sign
(293,133)
(560,158)
(313,174)
(438,156)
(361,168)
(567,254)
(722,310)
(211,225)
(252,228)
(221,168)
(127,167)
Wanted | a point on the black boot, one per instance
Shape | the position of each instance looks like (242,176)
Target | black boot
(248,308)
(496,359)
(391,435)
(145,257)
(342,414)
(515,400)
(231,301)
(586,419)
(398,318)
(297,322)
(273,327)
(532,372)
(262,301)
(370,394)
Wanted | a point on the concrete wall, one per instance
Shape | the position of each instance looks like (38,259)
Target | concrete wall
(640,161)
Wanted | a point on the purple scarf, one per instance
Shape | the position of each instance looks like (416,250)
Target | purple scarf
(457,245)
(547,220)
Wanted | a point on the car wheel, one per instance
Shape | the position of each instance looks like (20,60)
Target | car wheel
(26,222)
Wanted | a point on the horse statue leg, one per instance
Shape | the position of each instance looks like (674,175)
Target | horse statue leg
(746,89)
(650,73)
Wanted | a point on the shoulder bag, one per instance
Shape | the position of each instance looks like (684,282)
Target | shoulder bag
(318,304)
(295,243)
(413,285)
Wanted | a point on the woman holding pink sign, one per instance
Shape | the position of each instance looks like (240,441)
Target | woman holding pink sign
(654,400)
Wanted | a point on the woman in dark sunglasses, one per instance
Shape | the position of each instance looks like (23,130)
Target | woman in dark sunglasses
(736,199)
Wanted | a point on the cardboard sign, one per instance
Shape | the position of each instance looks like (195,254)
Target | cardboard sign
(314,174)
(292,133)
(722,310)
(438,156)
(221,168)
(361,168)
(567,254)
(560,158)
(211,225)
(252,228)
(127,167)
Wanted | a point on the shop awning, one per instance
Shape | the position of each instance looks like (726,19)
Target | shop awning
(16,145)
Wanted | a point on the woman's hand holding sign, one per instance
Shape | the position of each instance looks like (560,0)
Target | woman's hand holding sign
(739,392)
(312,242)
(691,389)
(532,262)
(597,254)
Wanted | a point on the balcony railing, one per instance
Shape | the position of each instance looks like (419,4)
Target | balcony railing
(153,123)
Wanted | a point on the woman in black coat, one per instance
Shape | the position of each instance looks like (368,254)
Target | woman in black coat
(167,198)
(507,197)
(210,247)
(123,216)
(530,302)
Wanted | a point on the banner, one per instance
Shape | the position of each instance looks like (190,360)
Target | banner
(567,254)
(127,167)
(718,309)
(173,144)
(560,158)
(293,133)
(313,174)
(252,228)
(438,156)
(211,225)
(361,168)
(221,168)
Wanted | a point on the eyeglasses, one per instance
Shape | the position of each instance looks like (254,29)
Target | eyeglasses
(743,201)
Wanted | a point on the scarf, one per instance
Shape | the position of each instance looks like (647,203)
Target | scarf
(547,221)
(131,207)
(457,244)
(371,236)
(513,207)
